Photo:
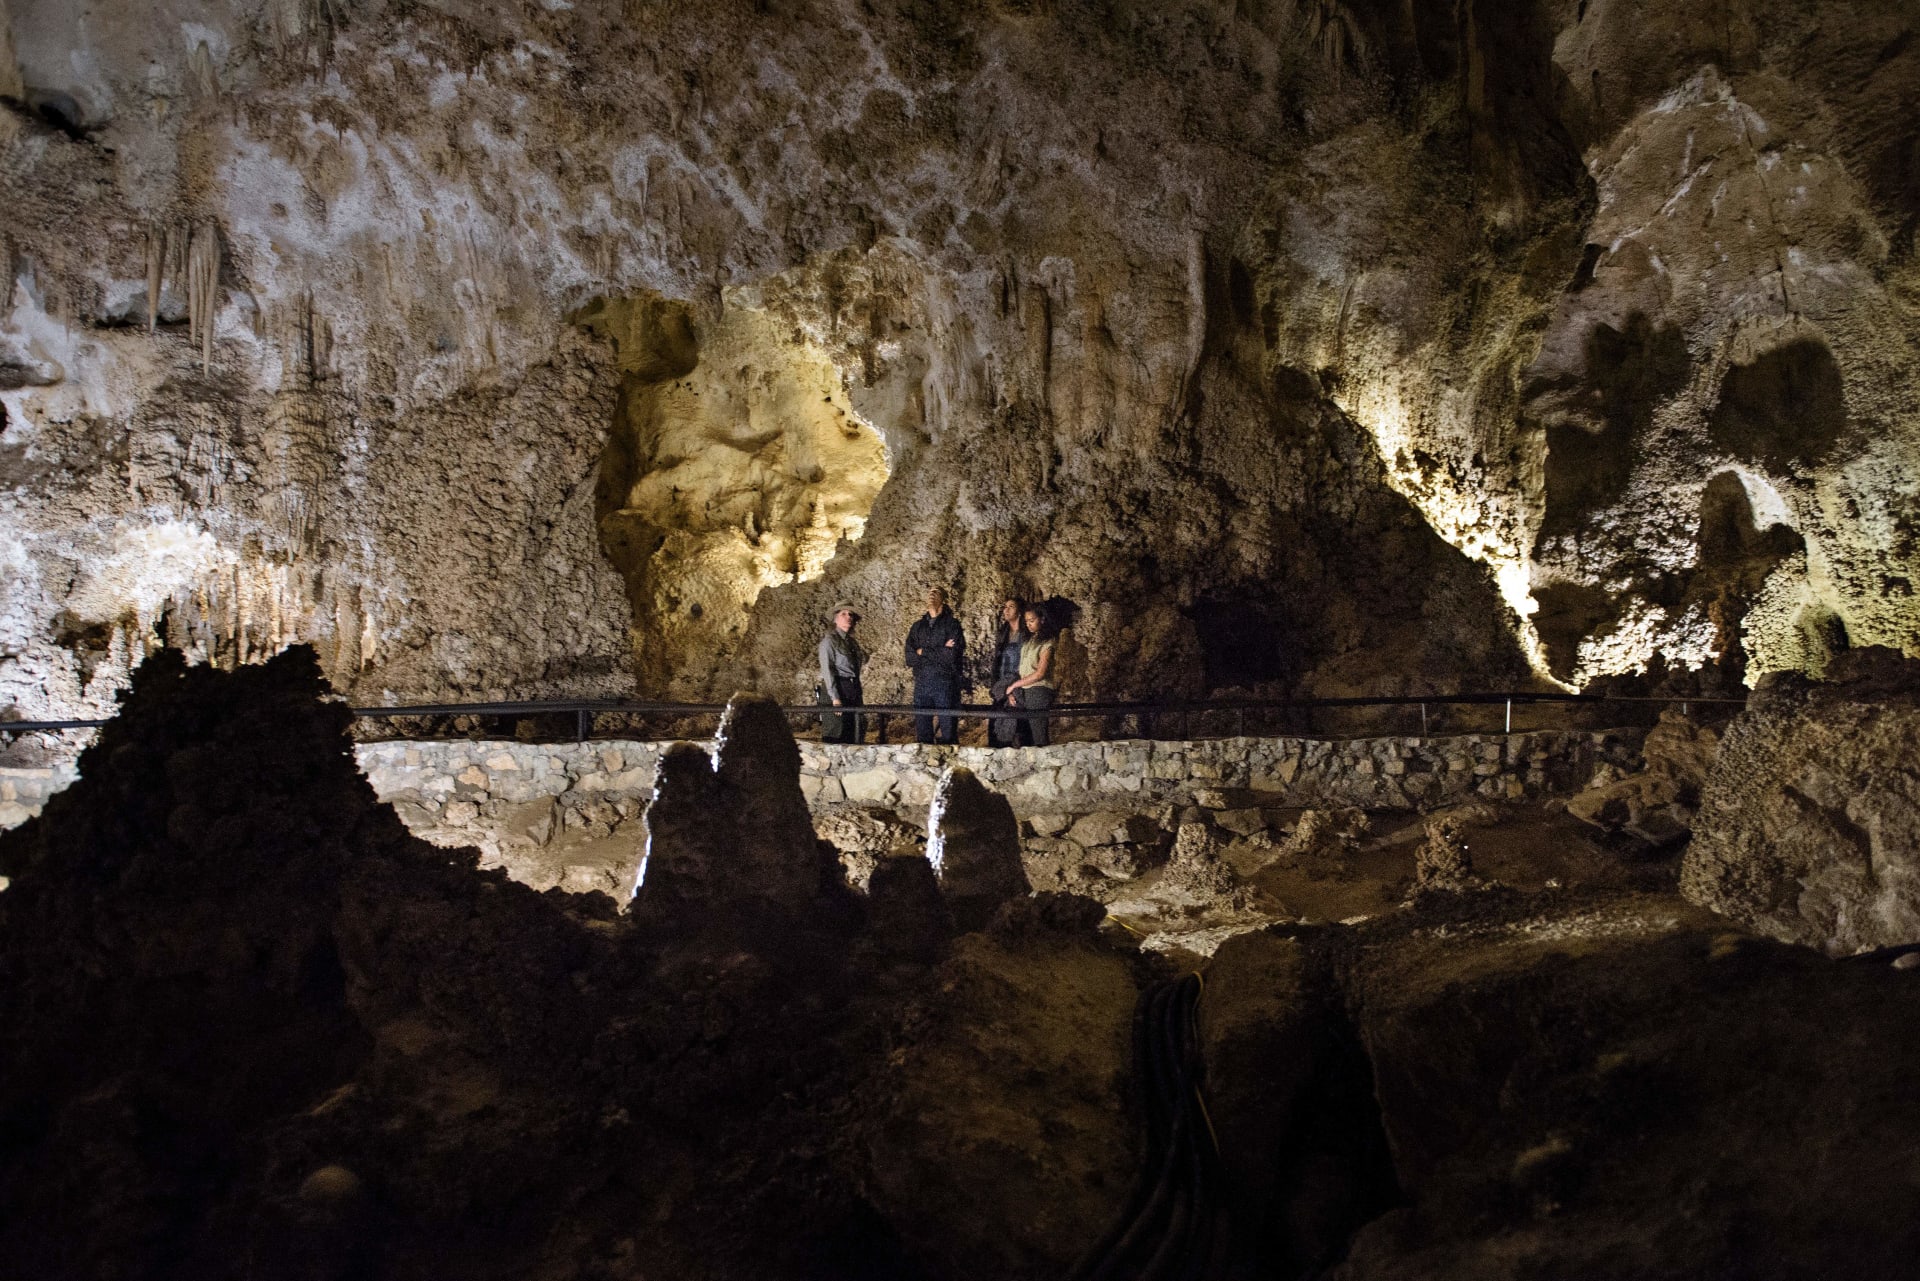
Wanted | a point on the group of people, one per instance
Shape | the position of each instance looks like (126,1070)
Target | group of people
(1022,673)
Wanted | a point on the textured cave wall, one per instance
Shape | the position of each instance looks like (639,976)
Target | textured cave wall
(1327,347)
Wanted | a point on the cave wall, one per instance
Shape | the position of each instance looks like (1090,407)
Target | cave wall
(1323,347)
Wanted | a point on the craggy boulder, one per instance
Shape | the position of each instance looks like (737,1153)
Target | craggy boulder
(905,913)
(1632,1095)
(1291,1101)
(1809,828)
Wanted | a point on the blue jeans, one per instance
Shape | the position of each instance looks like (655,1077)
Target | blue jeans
(936,729)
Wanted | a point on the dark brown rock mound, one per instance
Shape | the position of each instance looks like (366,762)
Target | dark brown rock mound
(973,842)
(253,1028)
(1618,1091)
(1656,806)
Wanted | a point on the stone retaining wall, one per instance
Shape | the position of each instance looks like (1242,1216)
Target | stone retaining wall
(24,789)
(573,808)
(1367,773)
(539,792)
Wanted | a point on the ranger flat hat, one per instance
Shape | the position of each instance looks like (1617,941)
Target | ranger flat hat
(844,608)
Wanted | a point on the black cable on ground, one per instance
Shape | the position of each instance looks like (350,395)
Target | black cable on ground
(1173,1226)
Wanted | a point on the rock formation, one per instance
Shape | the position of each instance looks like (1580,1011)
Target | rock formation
(729,832)
(1656,805)
(973,842)
(1313,347)
(1444,860)
(255,1028)
(494,350)
(1809,824)
(1654,1105)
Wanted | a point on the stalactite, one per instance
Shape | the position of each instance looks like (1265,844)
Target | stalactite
(203,288)
(11,85)
(317,338)
(156,265)
(202,76)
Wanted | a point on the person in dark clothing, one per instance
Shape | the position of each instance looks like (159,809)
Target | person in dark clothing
(1007,640)
(840,661)
(936,651)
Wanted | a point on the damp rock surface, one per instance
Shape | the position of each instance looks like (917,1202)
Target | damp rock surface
(1655,1099)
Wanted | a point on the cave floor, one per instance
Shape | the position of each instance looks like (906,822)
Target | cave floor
(1529,848)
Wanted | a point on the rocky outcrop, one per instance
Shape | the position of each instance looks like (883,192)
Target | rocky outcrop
(268,1032)
(1290,1095)
(1004,1130)
(1809,826)
(256,1028)
(728,830)
(1444,860)
(227,966)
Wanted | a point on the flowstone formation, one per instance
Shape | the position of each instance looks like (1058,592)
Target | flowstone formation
(1303,347)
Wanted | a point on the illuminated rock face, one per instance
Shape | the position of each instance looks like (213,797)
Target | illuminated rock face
(735,463)
(1313,348)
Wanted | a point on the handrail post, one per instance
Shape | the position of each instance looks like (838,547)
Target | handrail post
(1509,716)
(1423,722)
(583,725)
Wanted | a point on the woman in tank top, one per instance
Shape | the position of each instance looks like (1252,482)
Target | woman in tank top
(1035,688)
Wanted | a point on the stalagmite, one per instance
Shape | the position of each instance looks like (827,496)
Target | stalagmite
(203,288)
(973,843)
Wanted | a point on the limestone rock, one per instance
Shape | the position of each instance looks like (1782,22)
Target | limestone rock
(1112,827)
(1195,868)
(864,836)
(1049,824)
(1289,1093)
(1547,395)
(1443,861)
(1809,825)
(1325,834)
(1628,1067)
(1242,822)
(973,842)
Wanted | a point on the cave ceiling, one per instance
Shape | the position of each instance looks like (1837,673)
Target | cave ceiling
(534,348)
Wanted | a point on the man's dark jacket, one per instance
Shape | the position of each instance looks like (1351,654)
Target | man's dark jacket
(939,667)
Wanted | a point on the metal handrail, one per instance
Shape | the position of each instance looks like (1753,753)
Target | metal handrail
(584,710)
